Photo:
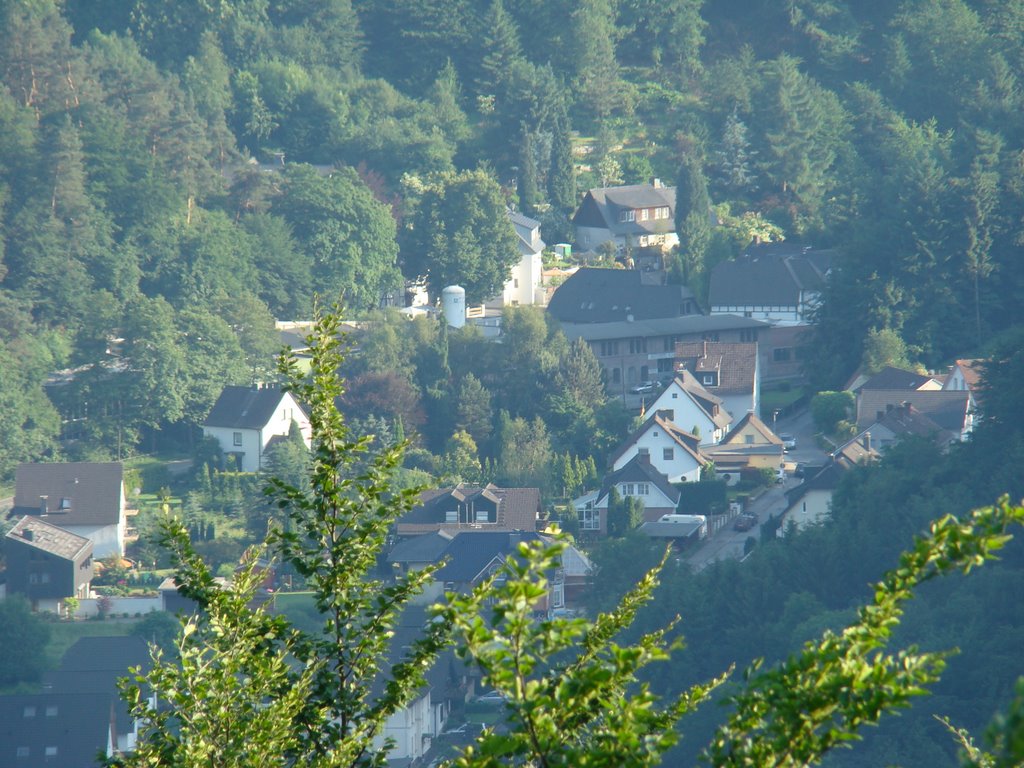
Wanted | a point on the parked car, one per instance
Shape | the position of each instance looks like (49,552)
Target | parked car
(491,697)
(788,441)
(645,388)
(745,522)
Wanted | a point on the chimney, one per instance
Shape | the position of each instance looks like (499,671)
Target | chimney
(644,458)
(27,534)
(656,183)
(705,348)
(865,440)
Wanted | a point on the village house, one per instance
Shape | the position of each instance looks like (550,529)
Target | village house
(84,498)
(632,216)
(472,507)
(47,564)
(750,445)
(245,421)
(685,401)
(729,370)
(637,478)
(670,450)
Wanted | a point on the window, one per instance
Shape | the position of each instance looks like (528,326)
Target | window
(482,516)
(609,348)
(625,216)
(23,752)
(590,518)
(781,354)
(637,345)
(708,380)
(748,439)
(668,454)
(29,712)
(515,282)
(644,213)
(665,365)
(749,334)
(51,711)
(643,451)
(51,751)
(236,438)
(627,489)
(616,375)
(451,516)
(642,489)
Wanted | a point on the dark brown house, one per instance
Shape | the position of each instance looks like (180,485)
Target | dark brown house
(47,564)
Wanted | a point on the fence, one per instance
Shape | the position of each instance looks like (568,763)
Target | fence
(89,607)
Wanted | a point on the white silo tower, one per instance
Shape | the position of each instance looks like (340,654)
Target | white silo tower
(453,304)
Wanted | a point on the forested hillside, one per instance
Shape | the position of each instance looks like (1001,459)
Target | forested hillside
(140,247)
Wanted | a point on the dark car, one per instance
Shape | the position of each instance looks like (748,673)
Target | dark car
(745,522)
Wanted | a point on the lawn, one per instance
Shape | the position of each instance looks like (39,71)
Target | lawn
(778,397)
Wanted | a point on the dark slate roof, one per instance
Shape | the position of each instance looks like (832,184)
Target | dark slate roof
(895,378)
(470,552)
(639,470)
(736,362)
(765,279)
(522,220)
(90,492)
(518,508)
(77,726)
(825,479)
(49,538)
(244,407)
(106,654)
(428,548)
(594,295)
(601,207)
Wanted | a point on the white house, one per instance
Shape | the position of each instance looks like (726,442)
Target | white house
(245,420)
(672,451)
(84,498)
(632,216)
(524,286)
(685,401)
(729,370)
(811,501)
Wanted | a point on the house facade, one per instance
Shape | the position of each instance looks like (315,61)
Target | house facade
(245,420)
(636,479)
(750,444)
(472,508)
(525,283)
(84,498)
(685,401)
(671,451)
(632,216)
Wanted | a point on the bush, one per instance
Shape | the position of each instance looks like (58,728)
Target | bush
(706,497)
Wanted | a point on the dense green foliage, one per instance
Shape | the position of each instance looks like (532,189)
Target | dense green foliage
(132,224)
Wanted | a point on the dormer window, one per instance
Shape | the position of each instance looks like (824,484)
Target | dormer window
(626,216)
(708,380)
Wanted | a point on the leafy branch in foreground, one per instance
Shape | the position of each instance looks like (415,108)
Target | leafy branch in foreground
(818,699)
(252,690)
(572,697)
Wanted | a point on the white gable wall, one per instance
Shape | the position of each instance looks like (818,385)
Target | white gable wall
(682,467)
(813,507)
(251,443)
(686,414)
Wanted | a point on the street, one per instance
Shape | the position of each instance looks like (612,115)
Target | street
(728,543)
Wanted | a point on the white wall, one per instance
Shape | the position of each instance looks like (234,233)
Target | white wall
(686,414)
(407,728)
(681,468)
(524,284)
(130,605)
(813,508)
(106,539)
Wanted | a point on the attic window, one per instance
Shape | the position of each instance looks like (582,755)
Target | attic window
(51,751)
(23,752)
(451,516)
(29,712)
(51,711)
(709,379)
(65,504)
